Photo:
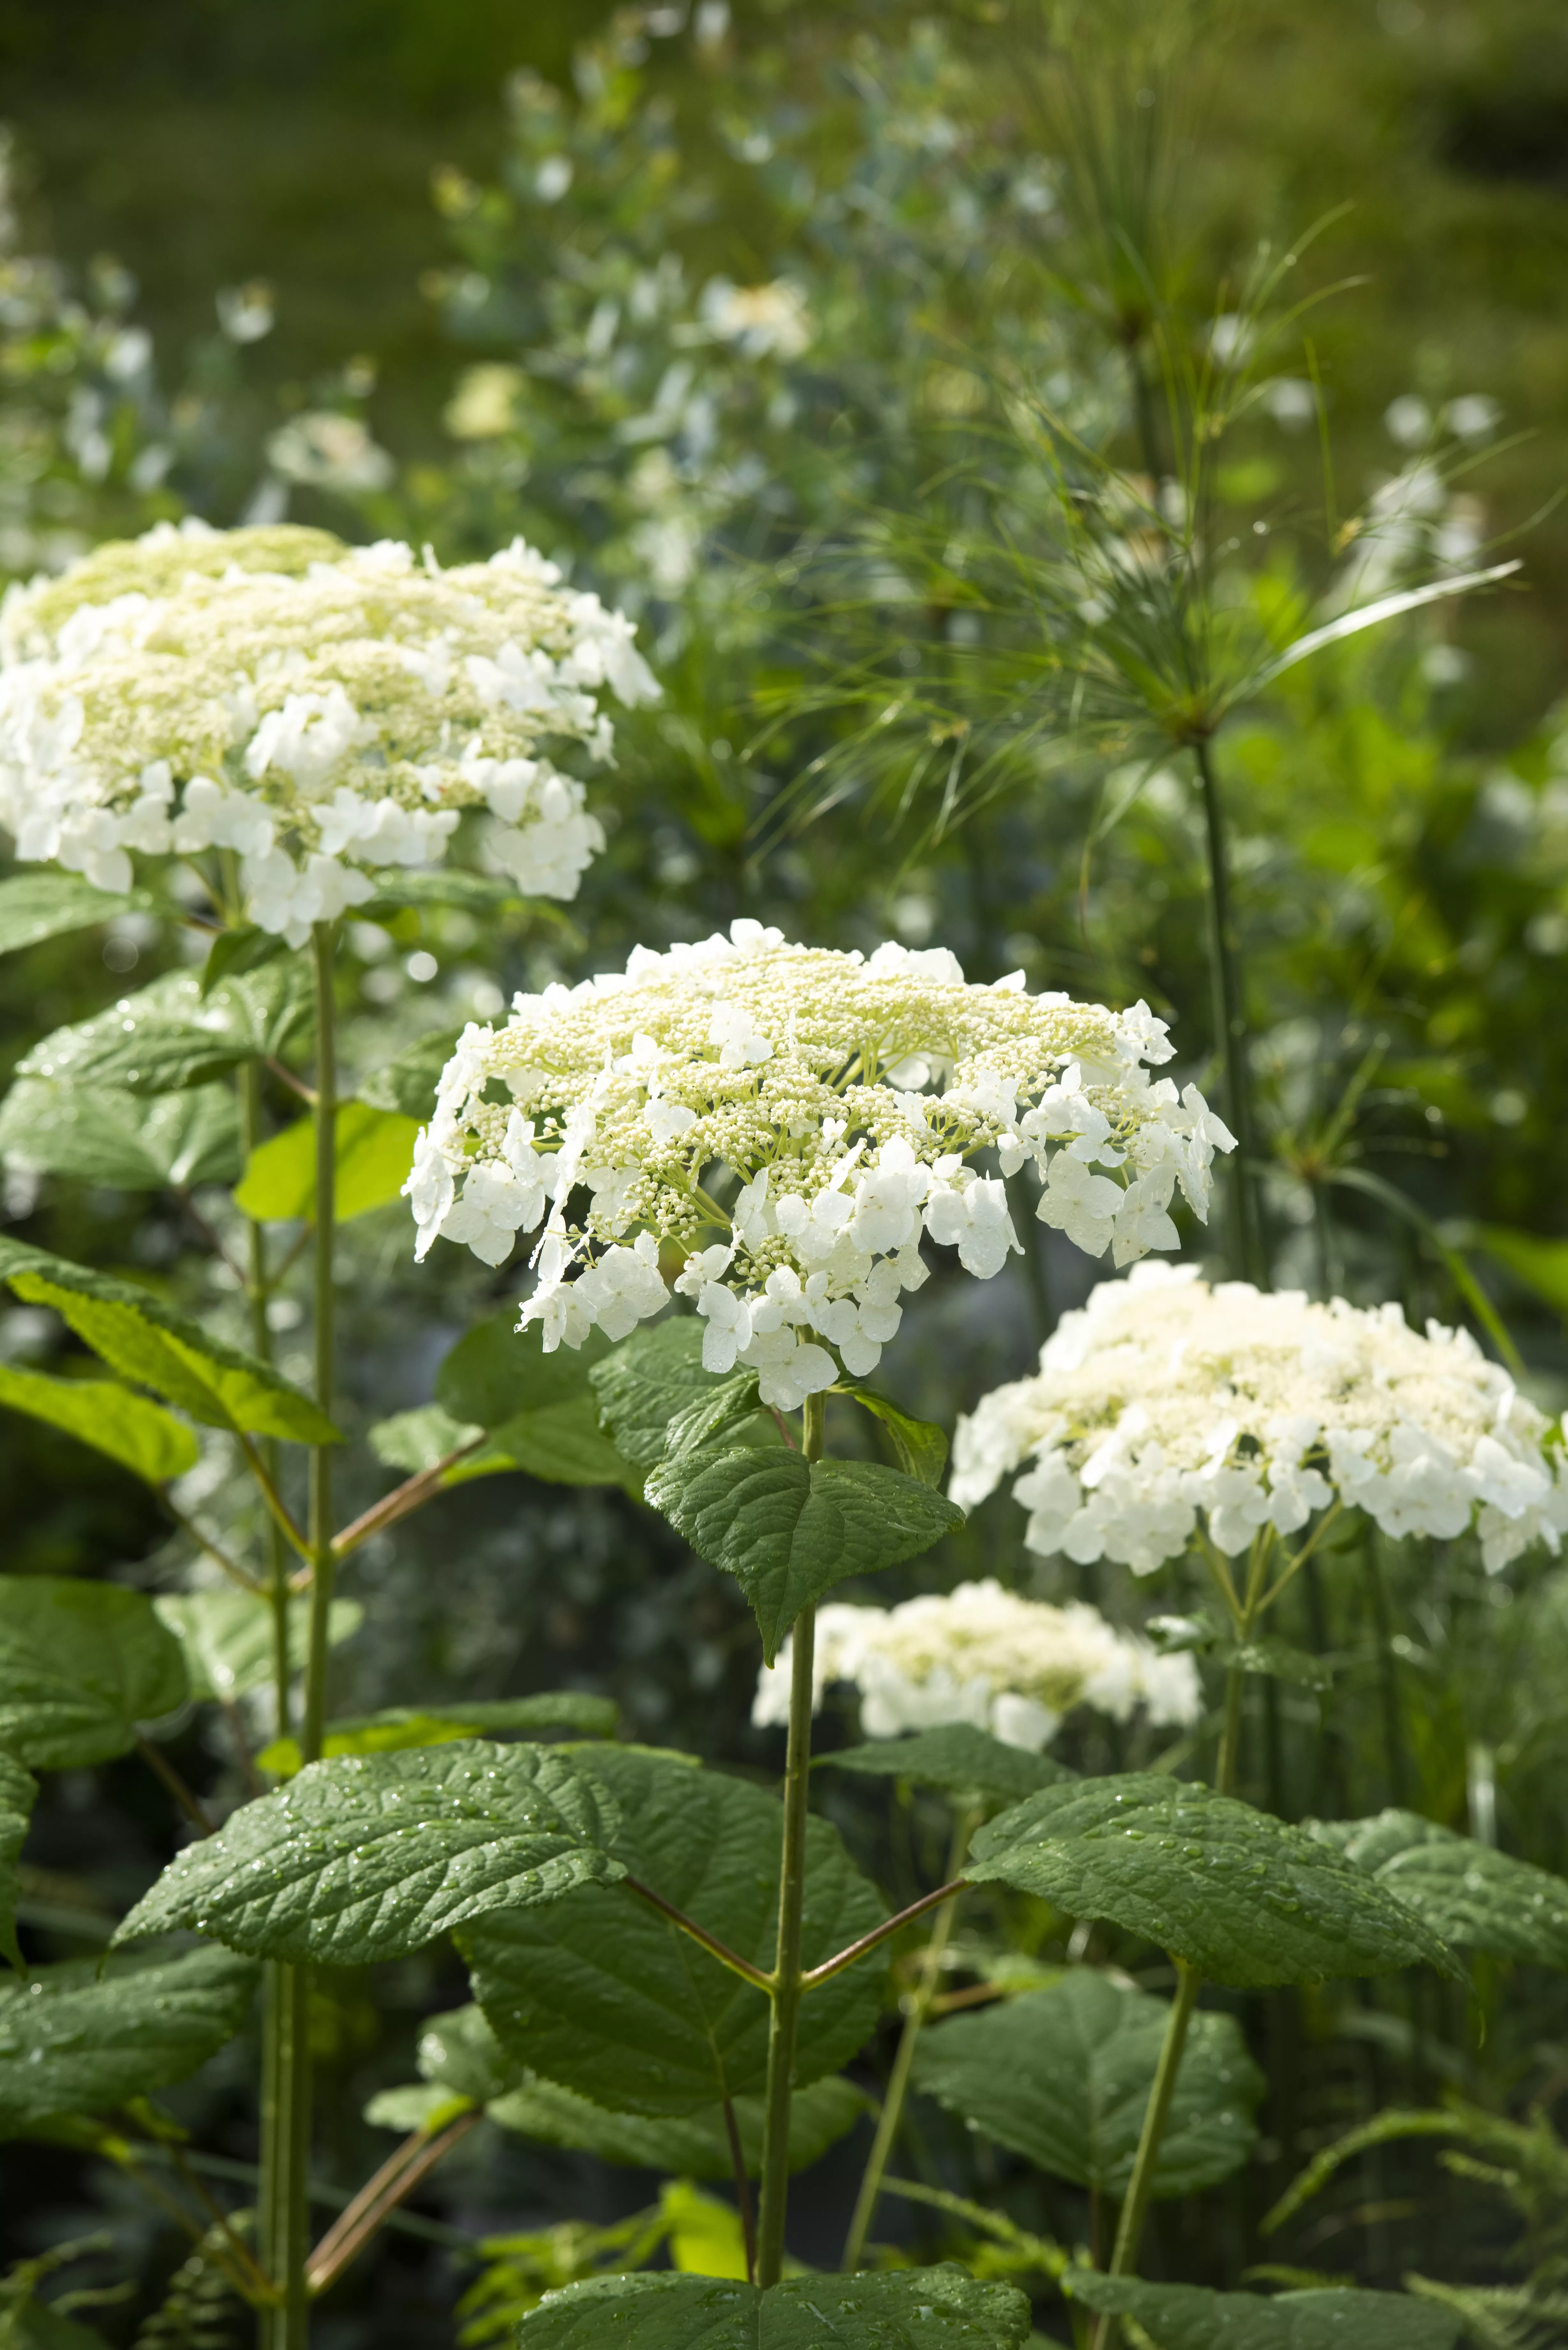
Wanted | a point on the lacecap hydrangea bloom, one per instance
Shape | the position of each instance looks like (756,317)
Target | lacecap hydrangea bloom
(321,710)
(1164,1401)
(789,1121)
(984,1656)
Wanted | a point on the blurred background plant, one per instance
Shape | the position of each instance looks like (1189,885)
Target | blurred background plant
(914,377)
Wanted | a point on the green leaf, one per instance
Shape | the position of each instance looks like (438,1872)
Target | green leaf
(920,2308)
(460,2055)
(373,1152)
(80,1665)
(1063,2077)
(227,1637)
(400,1726)
(1242,1896)
(1541,1264)
(647,1382)
(956,1757)
(606,1997)
(540,1409)
(415,1441)
(102,1135)
(140,1435)
(76,2038)
(920,1447)
(417,2106)
(448,885)
(1190,2317)
(1276,1661)
(408,1082)
(45,905)
(244,948)
(787,1529)
(168,1036)
(372,1856)
(143,1340)
(19,1792)
(1475,1896)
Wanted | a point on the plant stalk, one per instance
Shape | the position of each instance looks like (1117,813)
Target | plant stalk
(324,1114)
(1245,1233)
(898,2087)
(1135,2211)
(786,1991)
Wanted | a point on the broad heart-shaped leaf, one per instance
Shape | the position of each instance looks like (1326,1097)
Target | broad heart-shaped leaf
(77,2038)
(1467,1892)
(911,2309)
(142,1436)
(141,1339)
(648,1380)
(1190,2317)
(372,1148)
(920,1447)
(1239,1894)
(1063,2076)
(46,904)
(540,1410)
(101,1134)
(604,1996)
(956,1757)
(19,1792)
(788,1530)
(227,1635)
(408,1082)
(461,2054)
(80,1665)
(372,1856)
(170,1036)
(399,1726)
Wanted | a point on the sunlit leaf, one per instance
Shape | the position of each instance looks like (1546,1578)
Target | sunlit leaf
(374,1150)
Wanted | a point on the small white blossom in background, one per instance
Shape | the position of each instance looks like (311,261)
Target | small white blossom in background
(326,451)
(836,1102)
(1163,1399)
(762,321)
(321,710)
(981,1655)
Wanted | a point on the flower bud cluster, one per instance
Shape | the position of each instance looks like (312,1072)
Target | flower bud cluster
(320,709)
(981,1655)
(1164,1401)
(833,1104)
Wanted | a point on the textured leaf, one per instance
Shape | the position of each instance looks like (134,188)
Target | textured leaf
(920,1447)
(142,1436)
(1236,1894)
(19,1792)
(1063,2076)
(690,2146)
(103,1134)
(399,1726)
(1189,2317)
(374,1150)
(80,1665)
(539,1408)
(408,1082)
(141,1339)
(1467,1892)
(920,2308)
(46,904)
(647,1382)
(604,1996)
(956,1757)
(168,1035)
(372,1856)
(787,1529)
(227,1637)
(75,2038)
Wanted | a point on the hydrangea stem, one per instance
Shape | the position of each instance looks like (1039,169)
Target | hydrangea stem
(324,1112)
(786,1991)
(897,2088)
(1244,1234)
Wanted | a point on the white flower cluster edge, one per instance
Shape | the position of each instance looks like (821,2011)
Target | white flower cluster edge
(1164,1400)
(983,1654)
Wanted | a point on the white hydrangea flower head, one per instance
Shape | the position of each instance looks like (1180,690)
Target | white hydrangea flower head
(833,1104)
(321,710)
(982,1654)
(1164,1400)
